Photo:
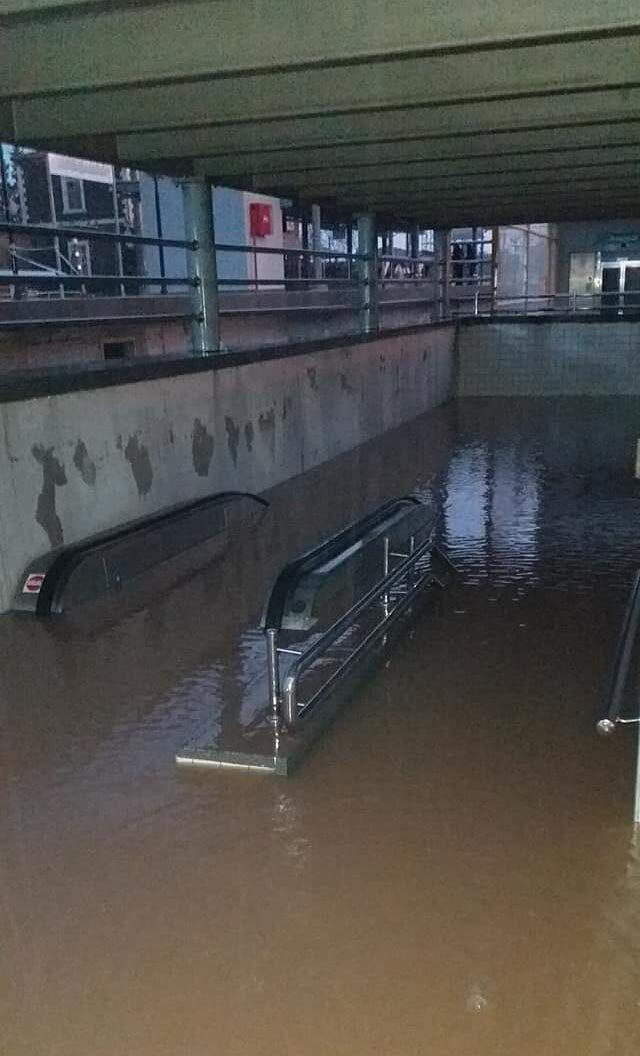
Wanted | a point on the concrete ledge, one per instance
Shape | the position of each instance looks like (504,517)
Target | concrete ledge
(542,320)
(30,384)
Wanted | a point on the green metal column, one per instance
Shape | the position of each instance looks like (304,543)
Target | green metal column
(316,226)
(442,246)
(198,215)
(368,272)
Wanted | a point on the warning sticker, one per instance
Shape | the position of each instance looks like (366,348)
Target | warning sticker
(33,582)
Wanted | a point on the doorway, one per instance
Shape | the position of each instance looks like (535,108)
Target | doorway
(621,286)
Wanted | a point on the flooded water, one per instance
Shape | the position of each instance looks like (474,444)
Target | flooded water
(452,872)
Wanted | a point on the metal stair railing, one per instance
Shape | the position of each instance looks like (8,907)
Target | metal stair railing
(617,693)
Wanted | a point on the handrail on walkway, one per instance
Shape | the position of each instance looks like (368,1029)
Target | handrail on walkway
(618,686)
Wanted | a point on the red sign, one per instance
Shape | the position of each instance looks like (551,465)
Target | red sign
(260,219)
(33,582)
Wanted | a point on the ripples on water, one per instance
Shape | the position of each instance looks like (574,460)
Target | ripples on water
(450,873)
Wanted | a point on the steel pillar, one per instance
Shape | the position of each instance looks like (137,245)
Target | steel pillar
(442,247)
(199,227)
(368,272)
(316,227)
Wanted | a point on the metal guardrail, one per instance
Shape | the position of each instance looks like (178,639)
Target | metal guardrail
(486,303)
(430,282)
(390,596)
(618,687)
(622,664)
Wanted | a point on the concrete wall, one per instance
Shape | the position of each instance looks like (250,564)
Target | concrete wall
(77,462)
(55,333)
(31,348)
(549,358)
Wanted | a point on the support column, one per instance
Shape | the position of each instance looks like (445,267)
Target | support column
(316,227)
(116,226)
(442,247)
(495,263)
(414,244)
(368,273)
(198,215)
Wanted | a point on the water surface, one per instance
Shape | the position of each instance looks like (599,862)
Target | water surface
(452,871)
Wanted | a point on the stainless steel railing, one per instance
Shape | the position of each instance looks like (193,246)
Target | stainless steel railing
(617,693)
(616,696)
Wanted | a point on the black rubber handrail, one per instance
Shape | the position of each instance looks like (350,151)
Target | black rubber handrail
(330,548)
(622,662)
(67,561)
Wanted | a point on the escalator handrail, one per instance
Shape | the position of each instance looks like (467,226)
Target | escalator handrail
(65,562)
(328,549)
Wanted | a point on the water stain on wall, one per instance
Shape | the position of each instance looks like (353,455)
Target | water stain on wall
(84,464)
(53,476)
(287,404)
(233,437)
(137,455)
(312,375)
(248,435)
(345,384)
(267,426)
(202,445)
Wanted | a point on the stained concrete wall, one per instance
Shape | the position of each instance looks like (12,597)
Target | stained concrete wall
(53,333)
(549,358)
(76,462)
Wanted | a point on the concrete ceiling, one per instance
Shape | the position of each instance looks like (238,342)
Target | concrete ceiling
(483,111)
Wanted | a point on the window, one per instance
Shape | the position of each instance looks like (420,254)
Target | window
(80,257)
(72,195)
(119,349)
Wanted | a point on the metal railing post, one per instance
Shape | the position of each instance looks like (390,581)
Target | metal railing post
(368,272)
(116,224)
(415,249)
(316,238)
(273,667)
(442,247)
(198,214)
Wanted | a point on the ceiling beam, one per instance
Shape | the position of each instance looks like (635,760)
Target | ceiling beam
(572,163)
(512,74)
(124,43)
(605,106)
(440,198)
(286,165)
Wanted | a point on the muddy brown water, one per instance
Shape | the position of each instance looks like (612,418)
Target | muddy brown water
(452,872)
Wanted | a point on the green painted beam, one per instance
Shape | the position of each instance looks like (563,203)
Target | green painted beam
(326,132)
(572,163)
(284,166)
(492,108)
(473,183)
(527,208)
(554,69)
(80,45)
(439,197)
(516,215)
